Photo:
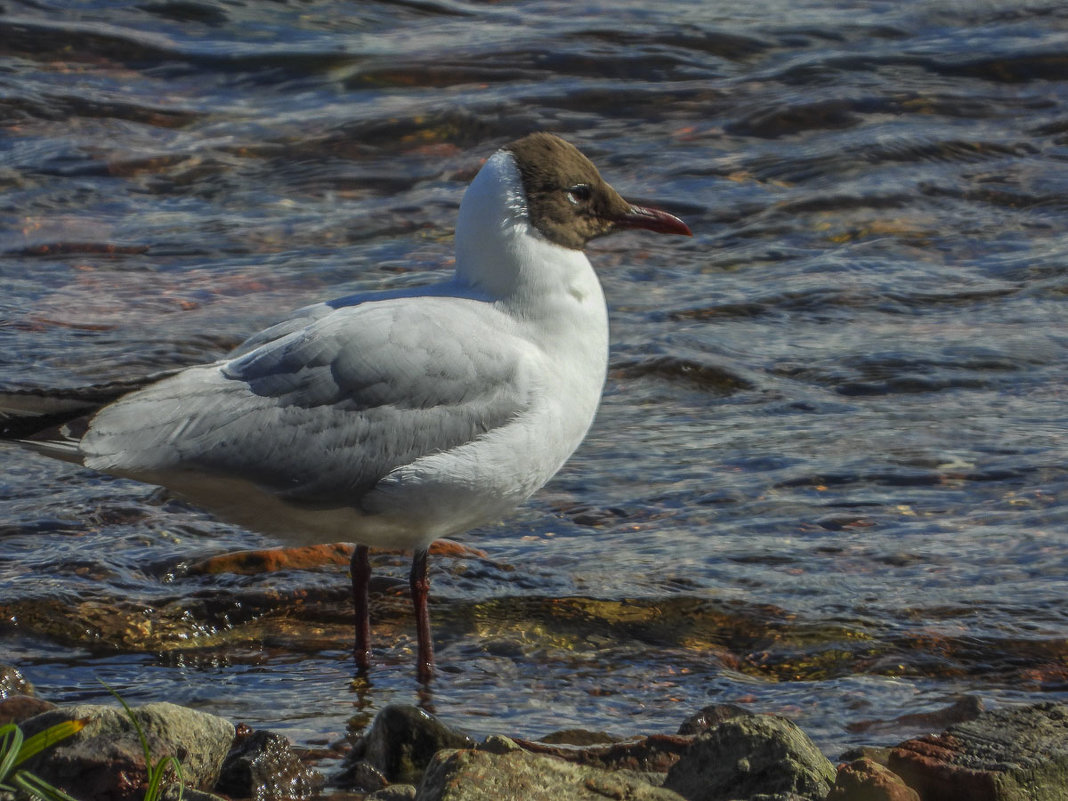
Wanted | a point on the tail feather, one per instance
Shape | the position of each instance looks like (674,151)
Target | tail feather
(44,418)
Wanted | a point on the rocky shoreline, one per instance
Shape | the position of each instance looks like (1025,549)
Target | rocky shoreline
(721,753)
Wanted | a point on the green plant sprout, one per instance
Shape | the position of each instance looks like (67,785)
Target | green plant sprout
(158,770)
(16,749)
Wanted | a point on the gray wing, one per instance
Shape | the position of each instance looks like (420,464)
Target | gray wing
(306,315)
(321,414)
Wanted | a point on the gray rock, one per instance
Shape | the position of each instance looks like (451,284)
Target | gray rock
(752,757)
(1011,754)
(262,765)
(397,747)
(470,775)
(105,760)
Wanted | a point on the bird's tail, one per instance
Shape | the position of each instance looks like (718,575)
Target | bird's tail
(53,420)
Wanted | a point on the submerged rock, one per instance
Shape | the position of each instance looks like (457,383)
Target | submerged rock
(470,775)
(1014,754)
(270,560)
(966,708)
(105,760)
(262,765)
(751,756)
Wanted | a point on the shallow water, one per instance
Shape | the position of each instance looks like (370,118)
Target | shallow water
(828,476)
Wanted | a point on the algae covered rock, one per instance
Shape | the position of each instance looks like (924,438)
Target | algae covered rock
(477,775)
(751,756)
(1010,754)
(105,760)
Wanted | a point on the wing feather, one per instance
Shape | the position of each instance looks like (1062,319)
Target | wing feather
(320,414)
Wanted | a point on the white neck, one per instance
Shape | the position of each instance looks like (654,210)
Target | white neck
(550,293)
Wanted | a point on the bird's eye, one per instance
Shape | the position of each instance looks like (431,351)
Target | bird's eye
(578,194)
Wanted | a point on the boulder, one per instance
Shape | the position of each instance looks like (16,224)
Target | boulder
(397,747)
(477,775)
(105,760)
(751,756)
(1011,754)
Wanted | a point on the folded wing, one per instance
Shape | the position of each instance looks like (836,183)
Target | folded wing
(321,414)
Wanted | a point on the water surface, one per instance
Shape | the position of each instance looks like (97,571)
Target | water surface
(828,476)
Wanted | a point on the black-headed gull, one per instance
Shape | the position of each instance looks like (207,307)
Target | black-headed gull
(393,419)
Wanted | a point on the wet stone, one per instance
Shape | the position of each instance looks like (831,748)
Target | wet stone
(397,747)
(12,682)
(105,760)
(1013,754)
(262,765)
(962,710)
(752,757)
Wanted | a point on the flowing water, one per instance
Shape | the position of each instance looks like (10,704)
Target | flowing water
(828,478)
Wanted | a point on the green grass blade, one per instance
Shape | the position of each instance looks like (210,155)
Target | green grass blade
(157,772)
(157,775)
(39,788)
(135,722)
(50,736)
(10,744)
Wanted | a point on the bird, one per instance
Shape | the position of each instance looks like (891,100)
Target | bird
(393,418)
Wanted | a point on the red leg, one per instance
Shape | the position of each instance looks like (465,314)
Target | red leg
(420,585)
(360,567)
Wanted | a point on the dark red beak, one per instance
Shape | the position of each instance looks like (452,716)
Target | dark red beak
(653,220)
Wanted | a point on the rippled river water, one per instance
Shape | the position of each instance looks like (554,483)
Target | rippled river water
(828,478)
